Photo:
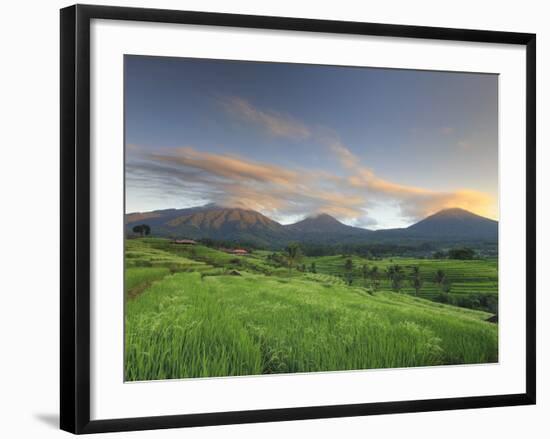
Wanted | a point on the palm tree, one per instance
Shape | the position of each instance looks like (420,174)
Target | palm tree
(374,278)
(390,272)
(397,279)
(395,273)
(293,255)
(348,266)
(447,287)
(416,281)
(440,279)
(365,272)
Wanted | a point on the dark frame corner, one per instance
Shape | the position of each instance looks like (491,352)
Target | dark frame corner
(75,216)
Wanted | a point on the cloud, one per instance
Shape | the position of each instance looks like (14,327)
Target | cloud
(230,167)
(235,181)
(414,202)
(347,158)
(280,192)
(275,123)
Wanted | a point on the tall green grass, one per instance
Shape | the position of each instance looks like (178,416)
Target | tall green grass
(188,325)
(137,279)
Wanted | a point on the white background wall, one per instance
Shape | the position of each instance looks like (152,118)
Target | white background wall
(29,206)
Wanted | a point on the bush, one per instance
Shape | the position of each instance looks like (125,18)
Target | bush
(463,253)
(479,301)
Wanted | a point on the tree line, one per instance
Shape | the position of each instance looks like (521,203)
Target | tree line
(396,276)
(371,275)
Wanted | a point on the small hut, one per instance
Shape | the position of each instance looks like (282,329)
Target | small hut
(238,251)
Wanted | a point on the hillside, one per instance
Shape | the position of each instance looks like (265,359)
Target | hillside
(455,223)
(199,312)
(324,228)
(248,226)
(212,221)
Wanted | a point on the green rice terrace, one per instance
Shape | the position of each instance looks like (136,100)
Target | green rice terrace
(196,311)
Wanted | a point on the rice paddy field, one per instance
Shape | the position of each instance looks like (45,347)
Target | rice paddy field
(194,311)
(466,277)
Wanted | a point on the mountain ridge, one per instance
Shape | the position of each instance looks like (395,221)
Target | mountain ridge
(241,224)
(321,222)
(461,222)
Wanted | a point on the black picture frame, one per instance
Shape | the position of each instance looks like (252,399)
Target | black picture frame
(75,217)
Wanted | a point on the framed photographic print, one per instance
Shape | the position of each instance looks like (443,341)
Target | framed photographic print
(267,218)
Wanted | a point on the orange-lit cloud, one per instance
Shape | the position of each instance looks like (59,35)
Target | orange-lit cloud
(229,166)
(281,192)
(347,158)
(274,190)
(415,202)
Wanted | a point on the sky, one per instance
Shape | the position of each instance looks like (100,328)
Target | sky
(375,148)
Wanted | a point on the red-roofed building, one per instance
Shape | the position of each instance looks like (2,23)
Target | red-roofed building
(185,241)
(238,251)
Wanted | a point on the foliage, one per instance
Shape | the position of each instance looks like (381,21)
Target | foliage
(440,278)
(374,279)
(463,253)
(293,255)
(348,267)
(396,276)
(142,229)
(478,276)
(487,302)
(369,251)
(416,281)
(365,273)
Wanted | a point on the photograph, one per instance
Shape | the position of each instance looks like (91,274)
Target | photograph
(285,218)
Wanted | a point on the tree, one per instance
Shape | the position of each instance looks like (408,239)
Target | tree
(277,259)
(389,272)
(313,268)
(348,266)
(416,280)
(374,278)
(395,275)
(293,255)
(440,279)
(463,253)
(142,229)
(365,273)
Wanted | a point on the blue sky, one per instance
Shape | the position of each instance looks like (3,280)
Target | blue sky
(373,147)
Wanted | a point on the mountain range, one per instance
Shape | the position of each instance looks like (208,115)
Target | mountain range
(244,225)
